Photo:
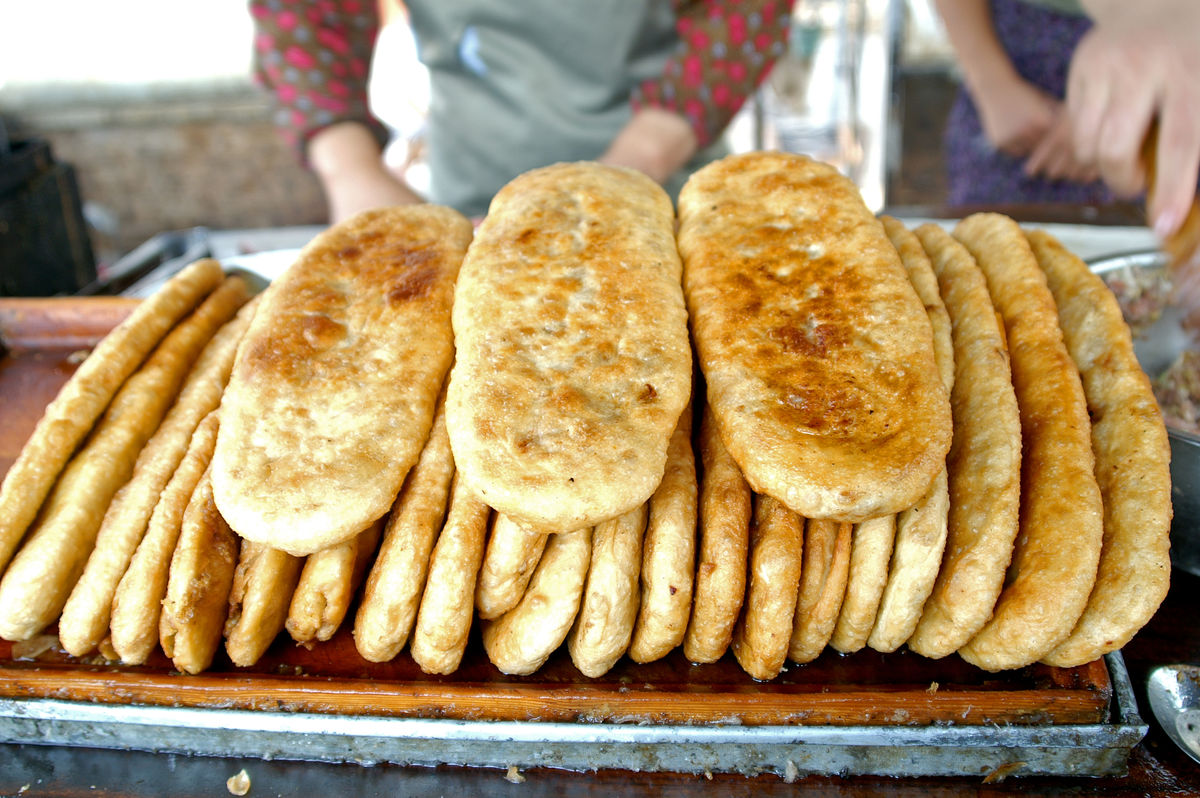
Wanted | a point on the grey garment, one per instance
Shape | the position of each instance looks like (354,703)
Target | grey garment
(1072,7)
(525,83)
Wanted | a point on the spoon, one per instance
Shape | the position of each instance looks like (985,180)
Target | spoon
(1174,693)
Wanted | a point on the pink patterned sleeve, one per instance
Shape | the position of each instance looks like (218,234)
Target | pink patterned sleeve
(314,57)
(726,48)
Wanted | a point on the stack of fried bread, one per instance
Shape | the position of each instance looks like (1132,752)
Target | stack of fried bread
(933,439)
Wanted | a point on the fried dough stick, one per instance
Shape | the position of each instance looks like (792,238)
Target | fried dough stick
(69,417)
(40,578)
(448,602)
(512,554)
(668,552)
(393,591)
(1132,460)
(262,590)
(609,607)
(85,618)
(763,633)
(327,586)
(720,586)
(520,641)
(822,587)
(137,603)
(1057,552)
(198,585)
(984,465)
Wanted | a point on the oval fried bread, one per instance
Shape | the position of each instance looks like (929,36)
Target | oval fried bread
(333,392)
(1132,460)
(1057,550)
(573,361)
(984,466)
(817,351)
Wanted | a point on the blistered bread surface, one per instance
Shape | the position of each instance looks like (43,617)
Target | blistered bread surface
(573,361)
(817,351)
(333,392)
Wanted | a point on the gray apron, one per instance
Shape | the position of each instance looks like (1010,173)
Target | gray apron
(519,84)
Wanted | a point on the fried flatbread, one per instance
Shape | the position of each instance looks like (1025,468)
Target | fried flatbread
(1132,460)
(817,351)
(69,417)
(1057,551)
(720,585)
(764,631)
(920,538)
(984,466)
(573,361)
(668,553)
(333,393)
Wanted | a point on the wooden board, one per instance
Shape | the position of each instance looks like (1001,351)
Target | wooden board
(41,340)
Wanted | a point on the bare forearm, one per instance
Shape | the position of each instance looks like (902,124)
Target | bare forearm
(349,163)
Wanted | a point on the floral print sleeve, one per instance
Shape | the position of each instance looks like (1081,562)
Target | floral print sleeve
(726,48)
(314,57)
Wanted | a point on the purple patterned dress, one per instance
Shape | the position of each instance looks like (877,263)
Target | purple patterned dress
(1040,43)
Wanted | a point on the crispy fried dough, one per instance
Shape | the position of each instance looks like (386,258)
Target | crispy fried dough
(984,465)
(69,417)
(336,383)
(870,553)
(572,355)
(263,584)
(817,352)
(668,552)
(198,584)
(1132,460)
(40,577)
(444,620)
(393,591)
(823,577)
(916,557)
(512,554)
(1058,545)
(521,640)
(720,585)
(85,617)
(604,624)
(137,603)
(764,631)
(327,586)
(920,537)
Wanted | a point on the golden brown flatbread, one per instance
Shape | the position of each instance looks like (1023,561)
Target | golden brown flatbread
(1132,460)
(333,393)
(817,352)
(1060,530)
(69,417)
(984,466)
(573,361)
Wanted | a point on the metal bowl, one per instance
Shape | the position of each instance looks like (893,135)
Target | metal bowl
(1157,346)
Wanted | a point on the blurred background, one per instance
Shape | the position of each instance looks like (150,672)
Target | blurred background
(127,120)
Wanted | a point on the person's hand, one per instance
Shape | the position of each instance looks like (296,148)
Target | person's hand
(655,142)
(1140,63)
(349,164)
(1054,156)
(1015,114)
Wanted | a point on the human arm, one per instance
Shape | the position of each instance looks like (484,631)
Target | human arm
(1140,62)
(1015,114)
(725,51)
(314,58)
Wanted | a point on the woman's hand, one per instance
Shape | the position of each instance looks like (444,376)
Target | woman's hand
(1140,63)
(349,164)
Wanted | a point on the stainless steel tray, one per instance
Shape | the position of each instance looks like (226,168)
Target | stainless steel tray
(788,751)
